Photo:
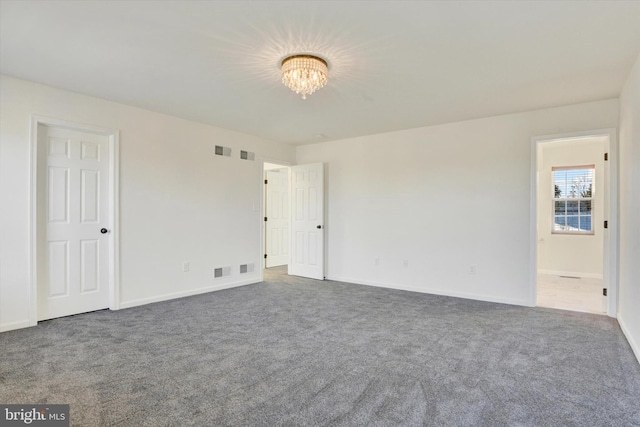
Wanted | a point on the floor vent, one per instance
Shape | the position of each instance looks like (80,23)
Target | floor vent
(247,155)
(246,268)
(219,272)
(223,151)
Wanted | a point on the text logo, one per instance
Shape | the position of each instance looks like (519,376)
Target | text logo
(34,415)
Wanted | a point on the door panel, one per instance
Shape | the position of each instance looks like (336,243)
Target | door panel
(75,263)
(58,201)
(307,225)
(58,268)
(313,248)
(89,265)
(90,197)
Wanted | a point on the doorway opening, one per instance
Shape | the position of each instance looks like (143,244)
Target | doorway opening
(293,231)
(573,204)
(276,216)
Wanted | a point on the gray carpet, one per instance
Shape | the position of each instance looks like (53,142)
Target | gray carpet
(296,352)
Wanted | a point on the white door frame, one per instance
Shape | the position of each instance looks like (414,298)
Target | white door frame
(610,261)
(113,201)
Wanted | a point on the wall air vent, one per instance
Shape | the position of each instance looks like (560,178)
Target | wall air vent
(219,272)
(246,268)
(223,151)
(247,155)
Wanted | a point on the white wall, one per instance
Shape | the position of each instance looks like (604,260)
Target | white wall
(629,187)
(443,198)
(178,202)
(570,254)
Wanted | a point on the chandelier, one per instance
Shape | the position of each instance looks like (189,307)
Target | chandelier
(304,74)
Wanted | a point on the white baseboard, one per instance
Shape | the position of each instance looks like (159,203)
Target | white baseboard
(571,274)
(478,297)
(182,294)
(634,345)
(16,325)
(143,301)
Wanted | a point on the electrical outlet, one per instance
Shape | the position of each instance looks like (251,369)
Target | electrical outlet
(186,266)
(376,262)
(472,269)
(405,263)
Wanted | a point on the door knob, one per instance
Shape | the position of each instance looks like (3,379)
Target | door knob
(104,230)
(319,227)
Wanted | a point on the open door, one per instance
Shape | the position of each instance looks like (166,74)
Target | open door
(307,221)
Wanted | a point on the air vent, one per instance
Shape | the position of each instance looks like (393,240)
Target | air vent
(219,272)
(246,268)
(223,151)
(247,155)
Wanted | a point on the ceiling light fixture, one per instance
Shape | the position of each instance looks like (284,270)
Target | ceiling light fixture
(304,73)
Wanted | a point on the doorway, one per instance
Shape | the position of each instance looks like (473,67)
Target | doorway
(74,197)
(293,231)
(572,238)
(276,215)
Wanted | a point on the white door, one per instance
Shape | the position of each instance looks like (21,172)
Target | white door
(73,191)
(277,217)
(307,221)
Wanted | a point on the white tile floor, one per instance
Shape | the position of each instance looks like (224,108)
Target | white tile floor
(583,294)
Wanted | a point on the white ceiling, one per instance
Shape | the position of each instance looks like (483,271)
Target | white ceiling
(393,64)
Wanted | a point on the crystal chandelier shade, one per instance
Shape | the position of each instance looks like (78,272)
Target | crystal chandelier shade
(304,74)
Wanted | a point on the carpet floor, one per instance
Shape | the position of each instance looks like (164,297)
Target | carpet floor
(297,352)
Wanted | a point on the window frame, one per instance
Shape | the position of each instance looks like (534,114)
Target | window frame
(578,200)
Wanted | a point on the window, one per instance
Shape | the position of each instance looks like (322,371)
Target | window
(573,199)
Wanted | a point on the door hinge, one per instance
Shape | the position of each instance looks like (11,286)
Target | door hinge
(266,181)
(604,292)
(606,224)
(265,219)
(265,256)
(606,157)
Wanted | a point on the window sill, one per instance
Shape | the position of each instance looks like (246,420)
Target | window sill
(573,233)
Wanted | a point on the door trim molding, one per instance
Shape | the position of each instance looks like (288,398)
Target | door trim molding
(113,201)
(610,266)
